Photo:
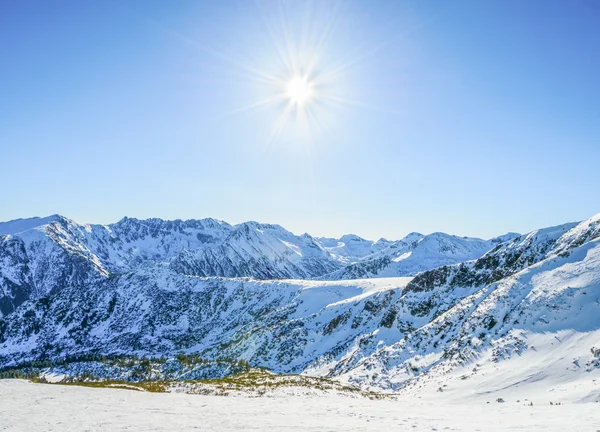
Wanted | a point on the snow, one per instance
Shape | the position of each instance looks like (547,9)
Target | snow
(555,368)
(315,295)
(20,225)
(42,407)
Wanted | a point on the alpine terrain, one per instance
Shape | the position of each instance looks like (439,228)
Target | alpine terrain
(147,300)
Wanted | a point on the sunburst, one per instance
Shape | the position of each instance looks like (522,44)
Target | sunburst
(299,80)
(301,87)
(300,90)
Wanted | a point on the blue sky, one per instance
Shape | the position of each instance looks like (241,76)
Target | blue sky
(469,117)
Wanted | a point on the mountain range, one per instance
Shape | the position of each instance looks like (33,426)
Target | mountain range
(39,256)
(381,314)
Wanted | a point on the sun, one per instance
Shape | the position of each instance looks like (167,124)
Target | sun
(300,82)
(299,91)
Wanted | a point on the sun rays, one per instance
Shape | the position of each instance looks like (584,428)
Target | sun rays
(301,80)
(299,83)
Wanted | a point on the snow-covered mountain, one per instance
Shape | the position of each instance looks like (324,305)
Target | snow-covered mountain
(417,253)
(528,296)
(351,248)
(381,332)
(39,256)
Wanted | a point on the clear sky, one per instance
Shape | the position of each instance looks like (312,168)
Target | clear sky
(468,117)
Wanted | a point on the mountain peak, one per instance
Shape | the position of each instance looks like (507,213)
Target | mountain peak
(19,225)
(412,237)
(505,237)
(351,237)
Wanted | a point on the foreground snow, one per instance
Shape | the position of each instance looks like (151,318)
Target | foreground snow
(39,407)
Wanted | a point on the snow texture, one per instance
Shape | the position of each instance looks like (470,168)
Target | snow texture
(36,407)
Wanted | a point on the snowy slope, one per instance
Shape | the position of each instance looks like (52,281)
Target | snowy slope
(545,283)
(44,259)
(283,325)
(259,250)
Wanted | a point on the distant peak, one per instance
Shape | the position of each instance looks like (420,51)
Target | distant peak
(19,225)
(150,221)
(505,237)
(351,237)
(412,237)
(261,226)
(382,240)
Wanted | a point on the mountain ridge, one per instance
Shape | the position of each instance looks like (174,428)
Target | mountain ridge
(197,247)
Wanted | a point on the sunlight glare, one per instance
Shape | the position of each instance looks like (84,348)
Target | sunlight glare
(299,90)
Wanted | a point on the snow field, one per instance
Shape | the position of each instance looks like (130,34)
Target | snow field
(32,407)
